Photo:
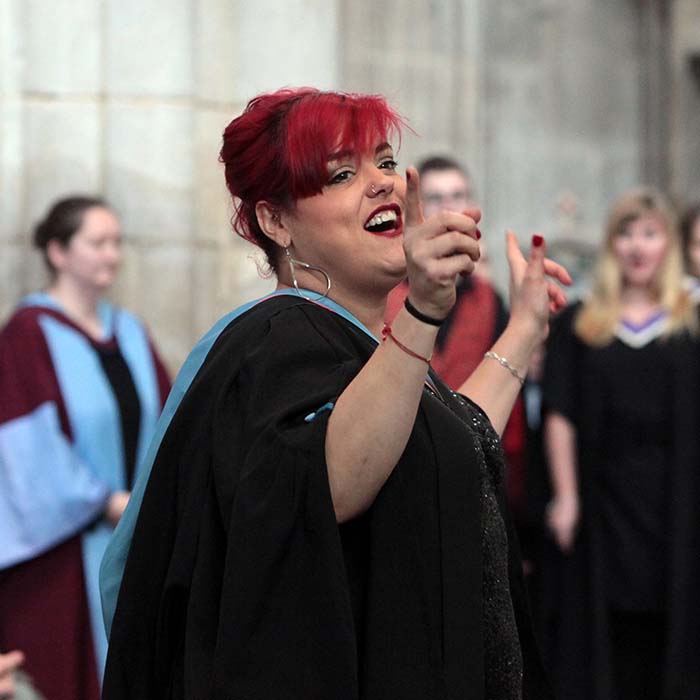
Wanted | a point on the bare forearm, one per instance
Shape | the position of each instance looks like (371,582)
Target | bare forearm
(560,447)
(563,511)
(493,387)
(373,418)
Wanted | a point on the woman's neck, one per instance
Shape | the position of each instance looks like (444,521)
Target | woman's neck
(638,304)
(638,296)
(79,304)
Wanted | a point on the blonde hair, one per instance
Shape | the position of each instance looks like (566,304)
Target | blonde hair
(600,314)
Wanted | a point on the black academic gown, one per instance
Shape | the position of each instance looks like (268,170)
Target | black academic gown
(578,608)
(240,583)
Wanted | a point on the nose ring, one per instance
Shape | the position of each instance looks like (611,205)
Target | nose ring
(373,188)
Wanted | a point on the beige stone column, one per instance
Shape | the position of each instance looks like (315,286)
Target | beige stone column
(11,160)
(243,49)
(129,98)
(685,100)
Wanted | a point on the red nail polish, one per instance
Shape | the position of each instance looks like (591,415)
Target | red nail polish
(537,240)
(478,234)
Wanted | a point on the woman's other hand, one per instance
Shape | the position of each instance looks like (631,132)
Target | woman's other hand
(9,663)
(562,519)
(438,249)
(116,505)
(533,297)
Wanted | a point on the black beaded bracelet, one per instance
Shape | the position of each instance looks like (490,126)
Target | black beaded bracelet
(421,316)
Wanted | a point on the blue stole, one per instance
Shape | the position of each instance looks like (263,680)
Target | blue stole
(114,561)
(95,423)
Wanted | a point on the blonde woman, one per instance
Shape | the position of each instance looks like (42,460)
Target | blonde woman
(621,433)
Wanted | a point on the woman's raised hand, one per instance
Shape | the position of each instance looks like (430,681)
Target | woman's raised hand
(533,293)
(438,249)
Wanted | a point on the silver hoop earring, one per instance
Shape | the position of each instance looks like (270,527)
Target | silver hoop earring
(307,266)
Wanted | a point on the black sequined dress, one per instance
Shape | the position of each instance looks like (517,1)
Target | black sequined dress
(503,661)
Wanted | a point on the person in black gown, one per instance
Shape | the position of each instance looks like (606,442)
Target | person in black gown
(690,236)
(324,518)
(621,394)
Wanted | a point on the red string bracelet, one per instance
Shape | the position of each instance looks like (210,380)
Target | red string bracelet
(386,331)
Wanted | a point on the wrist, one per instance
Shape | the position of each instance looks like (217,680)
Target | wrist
(422,317)
(417,335)
(567,496)
(425,309)
(529,333)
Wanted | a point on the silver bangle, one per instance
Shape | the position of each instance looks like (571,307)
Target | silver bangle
(504,363)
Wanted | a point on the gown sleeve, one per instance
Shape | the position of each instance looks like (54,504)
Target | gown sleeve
(162,374)
(47,493)
(235,579)
(284,572)
(559,382)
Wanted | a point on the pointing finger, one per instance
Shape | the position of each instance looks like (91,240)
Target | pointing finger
(414,206)
(473,213)
(513,252)
(537,253)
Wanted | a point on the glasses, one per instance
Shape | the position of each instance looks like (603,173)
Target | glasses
(445,199)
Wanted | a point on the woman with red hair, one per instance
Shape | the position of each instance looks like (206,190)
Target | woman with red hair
(324,518)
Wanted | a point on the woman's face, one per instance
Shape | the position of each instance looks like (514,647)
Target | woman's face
(353,228)
(694,249)
(640,249)
(92,257)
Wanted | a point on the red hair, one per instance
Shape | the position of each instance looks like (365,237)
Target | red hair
(278,149)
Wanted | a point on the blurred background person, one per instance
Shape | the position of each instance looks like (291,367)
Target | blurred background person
(690,236)
(81,387)
(478,317)
(621,399)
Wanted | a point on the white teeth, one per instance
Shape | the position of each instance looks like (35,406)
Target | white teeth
(386,215)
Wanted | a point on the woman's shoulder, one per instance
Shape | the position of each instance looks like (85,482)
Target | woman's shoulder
(23,322)
(269,336)
(289,321)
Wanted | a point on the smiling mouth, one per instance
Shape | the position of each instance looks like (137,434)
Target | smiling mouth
(385,220)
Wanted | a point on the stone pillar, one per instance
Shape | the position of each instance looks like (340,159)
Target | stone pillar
(148,159)
(563,122)
(425,57)
(243,49)
(540,97)
(684,107)
(11,157)
(129,98)
(655,83)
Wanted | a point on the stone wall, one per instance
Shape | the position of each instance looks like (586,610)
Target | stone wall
(553,104)
(129,98)
(684,104)
(544,99)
